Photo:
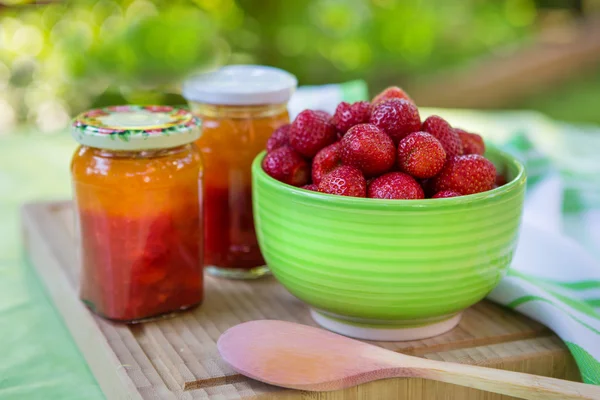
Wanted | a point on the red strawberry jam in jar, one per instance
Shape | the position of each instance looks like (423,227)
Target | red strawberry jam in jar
(137,178)
(240,106)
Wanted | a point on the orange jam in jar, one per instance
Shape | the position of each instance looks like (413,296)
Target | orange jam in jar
(240,107)
(137,179)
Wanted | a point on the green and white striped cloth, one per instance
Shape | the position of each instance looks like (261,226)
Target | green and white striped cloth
(553,278)
(555,274)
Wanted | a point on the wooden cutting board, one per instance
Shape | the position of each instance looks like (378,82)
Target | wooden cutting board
(177,358)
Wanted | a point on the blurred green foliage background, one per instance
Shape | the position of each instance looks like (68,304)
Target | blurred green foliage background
(61,57)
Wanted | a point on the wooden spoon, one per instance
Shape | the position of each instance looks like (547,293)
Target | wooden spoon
(302,357)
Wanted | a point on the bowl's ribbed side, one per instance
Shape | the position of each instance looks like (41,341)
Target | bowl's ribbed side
(385,263)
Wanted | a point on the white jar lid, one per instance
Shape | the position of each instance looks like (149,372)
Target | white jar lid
(241,85)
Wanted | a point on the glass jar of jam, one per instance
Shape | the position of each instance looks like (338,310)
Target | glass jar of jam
(240,106)
(137,178)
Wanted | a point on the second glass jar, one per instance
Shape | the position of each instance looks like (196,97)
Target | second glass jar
(234,131)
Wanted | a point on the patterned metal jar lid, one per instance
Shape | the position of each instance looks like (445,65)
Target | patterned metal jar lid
(133,127)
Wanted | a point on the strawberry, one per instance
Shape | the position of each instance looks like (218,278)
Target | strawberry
(344,181)
(368,148)
(324,114)
(421,155)
(444,194)
(397,118)
(310,132)
(392,92)
(395,185)
(326,160)
(466,175)
(347,115)
(472,143)
(312,186)
(287,166)
(438,127)
(279,138)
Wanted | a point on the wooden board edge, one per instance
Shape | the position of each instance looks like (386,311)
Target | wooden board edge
(553,347)
(476,342)
(115,384)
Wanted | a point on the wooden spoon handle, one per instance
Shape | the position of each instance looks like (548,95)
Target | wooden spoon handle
(510,383)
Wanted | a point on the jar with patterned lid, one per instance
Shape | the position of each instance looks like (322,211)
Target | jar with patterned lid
(137,180)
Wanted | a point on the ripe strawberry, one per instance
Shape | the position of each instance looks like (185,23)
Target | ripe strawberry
(344,181)
(438,127)
(326,160)
(312,186)
(310,132)
(324,114)
(368,148)
(397,118)
(279,138)
(392,92)
(466,175)
(444,194)
(287,166)
(347,115)
(421,155)
(472,143)
(395,185)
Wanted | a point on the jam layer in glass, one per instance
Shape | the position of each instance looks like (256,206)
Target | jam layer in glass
(139,219)
(232,136)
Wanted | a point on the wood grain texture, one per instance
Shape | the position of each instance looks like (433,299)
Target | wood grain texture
(177,358)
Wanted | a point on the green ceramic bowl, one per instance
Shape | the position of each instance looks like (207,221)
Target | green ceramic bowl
(388,269)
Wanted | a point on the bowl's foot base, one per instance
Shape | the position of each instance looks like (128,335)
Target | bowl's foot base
(389,332)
